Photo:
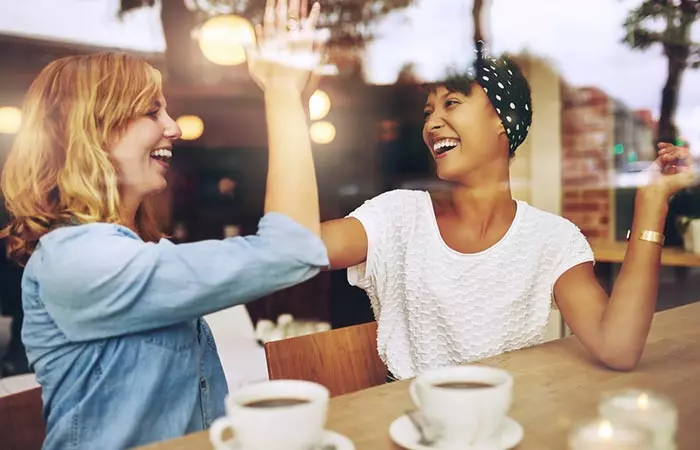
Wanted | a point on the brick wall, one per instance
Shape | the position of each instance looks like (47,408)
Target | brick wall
(587,140)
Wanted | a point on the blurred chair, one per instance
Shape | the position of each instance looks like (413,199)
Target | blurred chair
(344,360)
(242,357)
(22,421)
(17,383)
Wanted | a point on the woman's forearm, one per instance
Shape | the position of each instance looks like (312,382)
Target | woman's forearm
(627,318)
(291,179)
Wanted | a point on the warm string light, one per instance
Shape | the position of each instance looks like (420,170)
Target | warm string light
(319,105)
(223,39)
(322,132)
(10,119)
(191,127)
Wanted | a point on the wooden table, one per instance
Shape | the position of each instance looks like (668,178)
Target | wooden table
(607,251)
(556,384)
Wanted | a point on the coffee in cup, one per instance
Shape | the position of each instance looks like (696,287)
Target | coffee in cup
(289,414)
(464,405)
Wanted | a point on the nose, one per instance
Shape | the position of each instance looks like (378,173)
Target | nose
(434,122)
(172,129)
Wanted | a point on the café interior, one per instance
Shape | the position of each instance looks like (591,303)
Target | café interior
(605,91)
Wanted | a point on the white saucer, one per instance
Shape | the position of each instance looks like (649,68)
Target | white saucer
(329,438)
(405,434)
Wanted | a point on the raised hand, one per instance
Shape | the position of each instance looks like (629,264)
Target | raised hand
(288,48)
(673,170)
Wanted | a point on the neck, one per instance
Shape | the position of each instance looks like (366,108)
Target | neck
(129,208)
(484,192)
(482,203)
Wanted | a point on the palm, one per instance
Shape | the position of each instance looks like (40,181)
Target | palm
(287,49)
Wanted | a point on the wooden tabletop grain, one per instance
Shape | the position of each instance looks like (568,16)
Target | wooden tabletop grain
(556,384)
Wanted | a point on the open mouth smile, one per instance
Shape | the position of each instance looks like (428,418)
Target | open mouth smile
(443,145)
(162,155)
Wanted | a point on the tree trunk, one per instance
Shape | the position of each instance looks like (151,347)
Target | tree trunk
(667,132)
(477,13)
(677,59)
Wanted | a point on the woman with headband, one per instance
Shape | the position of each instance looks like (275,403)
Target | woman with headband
(113,313)
(470,273)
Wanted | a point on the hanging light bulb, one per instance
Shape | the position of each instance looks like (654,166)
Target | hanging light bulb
(10,119)
(223,39)
(191,127)
(322,132)
(319,105)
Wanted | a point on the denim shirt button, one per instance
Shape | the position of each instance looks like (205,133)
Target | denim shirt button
(203,384)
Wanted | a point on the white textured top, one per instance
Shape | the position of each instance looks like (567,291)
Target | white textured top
(436,306)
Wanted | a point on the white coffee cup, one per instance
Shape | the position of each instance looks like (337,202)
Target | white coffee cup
(263,418)
(463,405)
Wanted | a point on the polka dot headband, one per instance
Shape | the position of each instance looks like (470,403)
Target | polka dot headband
(509,93)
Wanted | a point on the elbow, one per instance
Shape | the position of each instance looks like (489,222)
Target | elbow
(620,366)
(621,361)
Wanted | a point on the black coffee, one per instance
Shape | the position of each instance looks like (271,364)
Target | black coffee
(275,402)
(465,385)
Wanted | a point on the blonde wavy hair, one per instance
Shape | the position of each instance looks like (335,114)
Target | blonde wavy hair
(58,171)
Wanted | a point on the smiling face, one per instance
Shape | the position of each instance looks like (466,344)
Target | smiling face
(143,151)
(463,132)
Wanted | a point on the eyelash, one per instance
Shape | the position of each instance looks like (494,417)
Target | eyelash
(153,114)
(448,103)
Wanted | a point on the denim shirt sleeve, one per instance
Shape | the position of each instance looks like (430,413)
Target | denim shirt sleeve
(101,280)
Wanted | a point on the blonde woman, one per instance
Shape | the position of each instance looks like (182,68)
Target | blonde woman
(113,324)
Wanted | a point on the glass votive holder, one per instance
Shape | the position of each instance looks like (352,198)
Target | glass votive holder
(645,409)
(603,434)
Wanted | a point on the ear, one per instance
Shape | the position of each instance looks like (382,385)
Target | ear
(499,126)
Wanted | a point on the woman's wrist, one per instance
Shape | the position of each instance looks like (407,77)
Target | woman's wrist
(285,91)
(651,209)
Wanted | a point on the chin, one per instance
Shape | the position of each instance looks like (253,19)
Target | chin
(452,174)
(157,187)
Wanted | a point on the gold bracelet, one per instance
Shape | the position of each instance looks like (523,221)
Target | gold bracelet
(649,236)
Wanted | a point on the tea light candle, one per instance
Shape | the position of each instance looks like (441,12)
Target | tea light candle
(603,434)
(645,409)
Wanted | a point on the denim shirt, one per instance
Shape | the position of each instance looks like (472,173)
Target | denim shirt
(113,325)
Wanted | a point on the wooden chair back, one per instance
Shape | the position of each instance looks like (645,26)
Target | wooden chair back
(22,421)
(344,360)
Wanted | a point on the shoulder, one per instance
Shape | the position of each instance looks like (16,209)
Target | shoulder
(552,234)
(543,221)
(399,196)
(86,233)
(394,206)
(78,242)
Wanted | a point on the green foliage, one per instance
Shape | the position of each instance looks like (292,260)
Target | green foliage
(665,22)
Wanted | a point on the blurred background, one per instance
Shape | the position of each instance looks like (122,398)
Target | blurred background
(609,80)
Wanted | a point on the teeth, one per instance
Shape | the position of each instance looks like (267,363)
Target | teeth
(442,143)
(162,152)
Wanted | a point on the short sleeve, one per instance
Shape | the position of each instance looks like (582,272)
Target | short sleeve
(382,217)
(576,250)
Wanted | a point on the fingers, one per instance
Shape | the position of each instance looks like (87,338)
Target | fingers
(259,33)
(675,154)
(282,18)
(269,19)
(312,20)
(294,12)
